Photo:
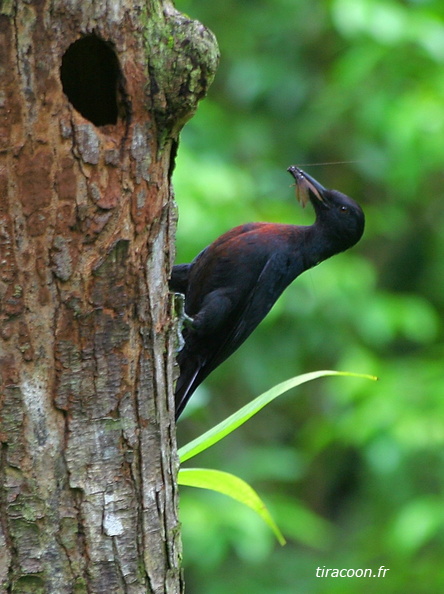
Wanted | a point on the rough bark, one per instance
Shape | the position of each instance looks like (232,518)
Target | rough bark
(87,458)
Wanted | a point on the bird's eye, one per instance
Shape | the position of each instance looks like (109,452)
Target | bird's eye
(344,209)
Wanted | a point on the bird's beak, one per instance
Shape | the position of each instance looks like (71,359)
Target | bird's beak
(307,187)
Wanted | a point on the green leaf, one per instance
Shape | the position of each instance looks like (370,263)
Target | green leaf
(234,487)
(221,430)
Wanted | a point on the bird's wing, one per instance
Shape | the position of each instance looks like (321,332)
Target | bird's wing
(272,281)
(196,363)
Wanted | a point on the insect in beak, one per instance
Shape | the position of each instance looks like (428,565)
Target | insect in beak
(305,184)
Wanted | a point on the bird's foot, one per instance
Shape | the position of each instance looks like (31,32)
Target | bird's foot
(179,306)
(183,320)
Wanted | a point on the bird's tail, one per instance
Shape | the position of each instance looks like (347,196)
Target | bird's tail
(188,380)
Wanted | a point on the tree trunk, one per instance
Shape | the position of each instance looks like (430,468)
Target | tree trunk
(92,98)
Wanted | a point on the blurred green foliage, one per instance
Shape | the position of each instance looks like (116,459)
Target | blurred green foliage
(352,471)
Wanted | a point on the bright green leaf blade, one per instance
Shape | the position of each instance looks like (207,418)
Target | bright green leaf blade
(234,487)
(209,438)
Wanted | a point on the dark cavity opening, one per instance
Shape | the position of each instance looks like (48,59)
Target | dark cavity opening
(91,77)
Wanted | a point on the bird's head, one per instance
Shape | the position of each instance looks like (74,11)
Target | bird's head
(340,216)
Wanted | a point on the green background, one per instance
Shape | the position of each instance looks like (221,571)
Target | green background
(352,470)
